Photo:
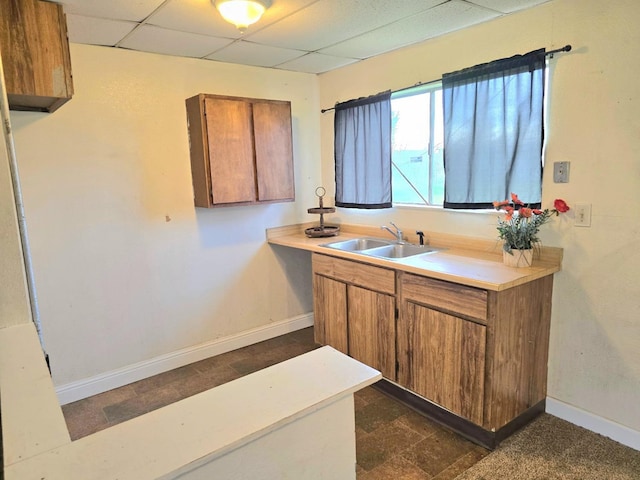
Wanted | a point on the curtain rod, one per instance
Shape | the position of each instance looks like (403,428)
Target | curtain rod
(392,91)
(550,53)
(566,48)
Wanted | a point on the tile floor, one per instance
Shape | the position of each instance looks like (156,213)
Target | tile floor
(392,441)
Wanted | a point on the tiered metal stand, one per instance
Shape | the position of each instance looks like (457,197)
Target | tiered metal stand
(322,230)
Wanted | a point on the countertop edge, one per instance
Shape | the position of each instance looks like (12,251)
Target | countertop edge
(474,267)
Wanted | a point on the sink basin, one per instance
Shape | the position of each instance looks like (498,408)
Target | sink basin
(377,247)
(399,251)
(358,244)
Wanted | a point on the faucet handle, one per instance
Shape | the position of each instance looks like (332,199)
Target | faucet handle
(420,234)
(398,233)
(397,230)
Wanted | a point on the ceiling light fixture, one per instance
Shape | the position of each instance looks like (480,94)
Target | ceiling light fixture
(242,13)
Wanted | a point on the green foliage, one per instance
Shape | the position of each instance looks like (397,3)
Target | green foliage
(521,233)
(521,224)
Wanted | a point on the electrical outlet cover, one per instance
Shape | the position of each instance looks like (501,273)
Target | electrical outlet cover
(583,215)
(561,172)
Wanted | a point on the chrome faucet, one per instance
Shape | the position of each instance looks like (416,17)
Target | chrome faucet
(397,233)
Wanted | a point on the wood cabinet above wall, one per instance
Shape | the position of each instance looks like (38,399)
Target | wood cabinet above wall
(241,150)
(35,55)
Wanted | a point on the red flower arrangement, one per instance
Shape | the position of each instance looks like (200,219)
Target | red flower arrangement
(520,226)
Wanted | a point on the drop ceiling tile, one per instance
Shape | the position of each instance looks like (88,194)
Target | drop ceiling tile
(316,63)
(442,19)
(201,16)
(133,10)
(341,31)
(327,22)
(97,31)
(508,6)
(248,53)
(170,42)
(283,8)
(194,16)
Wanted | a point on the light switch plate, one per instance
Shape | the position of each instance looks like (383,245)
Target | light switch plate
(561,172)
(583,215)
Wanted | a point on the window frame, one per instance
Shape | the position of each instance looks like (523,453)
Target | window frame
(431,88)
(435,85)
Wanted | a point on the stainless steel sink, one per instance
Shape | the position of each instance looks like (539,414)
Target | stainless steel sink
(376,247)
(357,244)
(400,251)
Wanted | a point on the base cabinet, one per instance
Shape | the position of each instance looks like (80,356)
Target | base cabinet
(330,312)
(480,355)
(442,358)
(358,321)
(371,329)
(442,340)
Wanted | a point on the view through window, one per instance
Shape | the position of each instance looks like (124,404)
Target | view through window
(417,146)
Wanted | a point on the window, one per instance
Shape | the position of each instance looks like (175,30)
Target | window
(417,174)
(481,128)
(460,143)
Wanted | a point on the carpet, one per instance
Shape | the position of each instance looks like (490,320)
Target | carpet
(550,448)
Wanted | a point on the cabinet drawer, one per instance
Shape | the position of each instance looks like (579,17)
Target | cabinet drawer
(446,296)
(368,276)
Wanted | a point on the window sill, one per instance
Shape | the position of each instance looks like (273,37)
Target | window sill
(406,206)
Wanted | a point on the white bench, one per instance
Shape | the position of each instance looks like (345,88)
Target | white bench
(294,420)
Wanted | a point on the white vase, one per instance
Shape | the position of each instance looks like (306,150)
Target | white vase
(518,258)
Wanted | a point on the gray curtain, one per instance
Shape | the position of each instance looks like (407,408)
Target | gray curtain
(362,149)
(493,132)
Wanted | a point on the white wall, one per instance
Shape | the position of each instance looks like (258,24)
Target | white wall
(14,299)
(126,268)
(595,125)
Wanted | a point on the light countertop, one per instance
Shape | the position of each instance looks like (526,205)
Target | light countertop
(463,260)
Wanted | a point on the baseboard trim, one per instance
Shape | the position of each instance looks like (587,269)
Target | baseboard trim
(595,423)
(80,389)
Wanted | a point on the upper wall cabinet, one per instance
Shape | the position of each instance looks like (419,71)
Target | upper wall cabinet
(35,55)
(241,150)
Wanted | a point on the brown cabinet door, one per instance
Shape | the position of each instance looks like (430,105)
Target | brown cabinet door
(231,156)
(371,328)
(274,152)
(330,310)
(442,358)
(241,150)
